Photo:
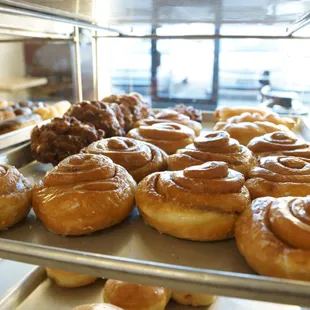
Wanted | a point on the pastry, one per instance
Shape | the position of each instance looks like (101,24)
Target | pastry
(273,236)
(279,176)
(190,111)
(19,122)
(245,132)
(15,196)
(191,299)
(60,138)
(5,115)
(214,146)
(56,110)
(168,136)
(97,307)
(22,111)
(29,104)
(199,203)
(98,114)
(222,114)
(170,116)
(132,296)
(279,143)
(4,104)
(83,194)
(139,158)
(69,279)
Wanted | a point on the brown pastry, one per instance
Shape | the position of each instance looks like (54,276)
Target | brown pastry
(97,307)
(5,115)
(214,146)
(22,111)
(132,296)
(199,203)
(4,104)
(15,196)
(168,136)
(69,279)
(60,138)
(139,158)
(279,143)
(56,110)
(273,236)
(98,114)
(189,111)
(222,114)
(83,194)
(280,176)
(192,299)
(245,132)
(19,122)
(170,116)
(118,113)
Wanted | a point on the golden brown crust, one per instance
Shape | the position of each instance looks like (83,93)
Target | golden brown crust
(15,196)
(97,307)
(83,194)
(273,236)
(200,203)
(139,158)
(221,114)
(192,299)
(5,115)
(280,176)
(69,279)
(132,296)
(56,110)
(168,136)
(188,110)
(214,146)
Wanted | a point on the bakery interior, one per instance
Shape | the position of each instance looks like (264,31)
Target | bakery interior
(154,154)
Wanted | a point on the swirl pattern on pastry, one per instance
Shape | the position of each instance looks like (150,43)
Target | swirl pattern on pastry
(280,176)
(139,158)
(168,136)
(214,146)
(15,196)
(83,194)
(199,203)
(277,228)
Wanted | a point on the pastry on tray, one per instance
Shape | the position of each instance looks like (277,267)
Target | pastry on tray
(15,196)
(102,306)
(190,111)
(192,299)
(135,296)
(69,279)
(139,158)
(168,136)
(214,146)
(245,132)
(83,194)
(273,235)
(223,113)
(279,176)
(55,110)
(170,116)
(199,203)
(279,143)
(19,122)
(6,114)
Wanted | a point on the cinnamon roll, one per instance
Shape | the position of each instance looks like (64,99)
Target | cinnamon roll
(222,114)
(15,196)
(280,176)
(192,299)
(83,194)
(139,158)
(199,203)
(214,146)
(168,136)
(245,132)
(274,237)
(279,143)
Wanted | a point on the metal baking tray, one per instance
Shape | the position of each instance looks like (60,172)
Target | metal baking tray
(133,251)
(36,291)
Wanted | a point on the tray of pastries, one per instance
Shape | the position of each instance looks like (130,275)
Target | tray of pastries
(212,201)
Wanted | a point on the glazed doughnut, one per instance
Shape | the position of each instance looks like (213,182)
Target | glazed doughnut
(280,176)
(131,296)
(273,236)
(168,136)
(139,158)
(199,203)
(15,196)
(214,146)
(191,299)
(97,307)
(222,114)
(83,194)
(69,279)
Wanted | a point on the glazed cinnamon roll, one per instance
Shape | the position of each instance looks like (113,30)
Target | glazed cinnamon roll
(279,143)
(222,114)
(15,196)
(199,203)
(279,176)
(274,237)
(245,132)
(168,136)
(214,146)
(83,194)
(139,158)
